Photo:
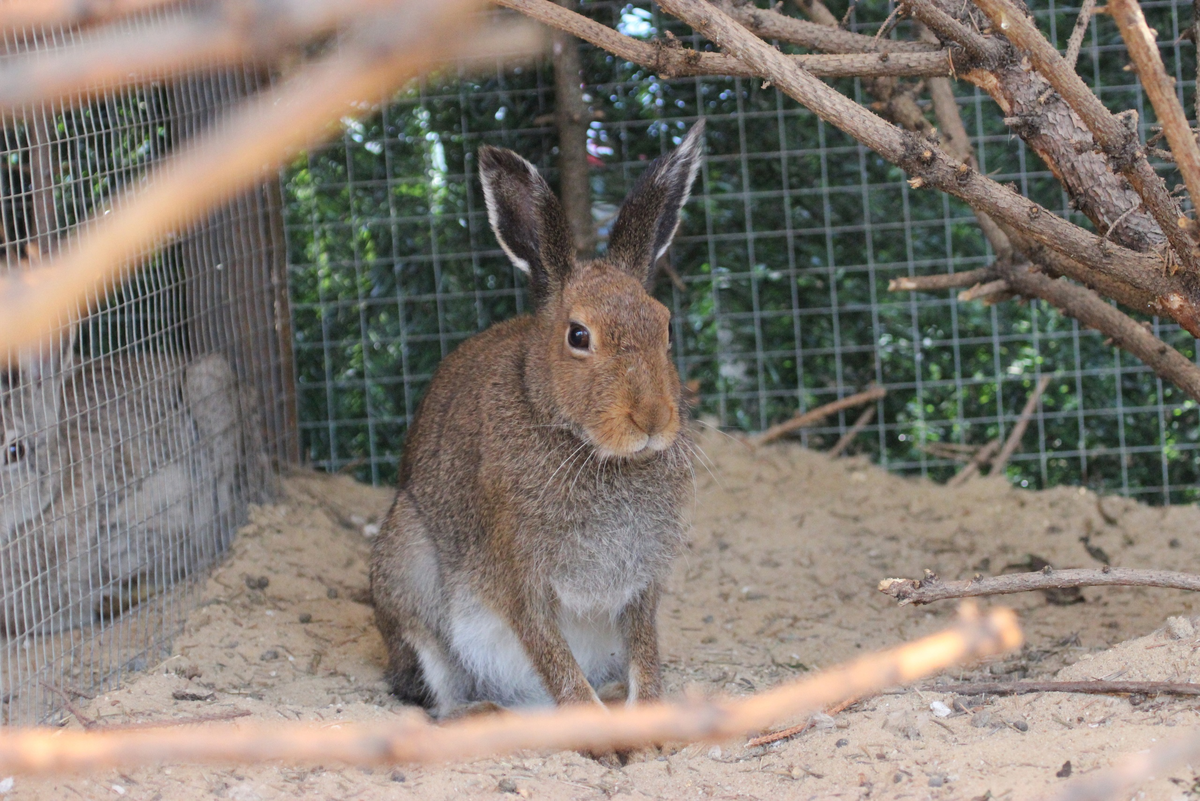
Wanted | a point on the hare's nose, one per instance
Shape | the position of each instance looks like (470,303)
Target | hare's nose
(652,418)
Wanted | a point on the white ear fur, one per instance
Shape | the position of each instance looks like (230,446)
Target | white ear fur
(493,211)
(686,158)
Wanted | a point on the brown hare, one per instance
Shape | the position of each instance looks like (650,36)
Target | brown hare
(544,483)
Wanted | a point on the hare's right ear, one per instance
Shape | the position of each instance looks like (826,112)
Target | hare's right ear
(527,220)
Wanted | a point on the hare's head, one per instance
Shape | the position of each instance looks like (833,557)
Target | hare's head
(601,360)
(31,404)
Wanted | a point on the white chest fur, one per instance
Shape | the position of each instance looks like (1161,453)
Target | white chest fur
(490,652)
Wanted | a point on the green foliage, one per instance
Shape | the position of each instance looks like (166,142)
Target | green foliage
(786,251)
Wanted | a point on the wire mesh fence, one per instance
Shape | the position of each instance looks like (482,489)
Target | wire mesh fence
(135,437)
(783,260)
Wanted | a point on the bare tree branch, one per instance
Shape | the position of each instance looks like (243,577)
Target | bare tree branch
(1140,41)
(1075,43)
(815,35)
(864,419)
(984,51)
(817,415)
(981,457)
(933,167)
(1115,137)
(413,739)
(1018,431)
(931,588)
(571,119)
(934,283)
(672,60)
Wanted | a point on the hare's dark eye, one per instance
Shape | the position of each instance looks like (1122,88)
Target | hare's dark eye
(578,337)
(14,452)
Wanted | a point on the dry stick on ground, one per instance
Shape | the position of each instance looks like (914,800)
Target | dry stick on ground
(800,728)
(259,137)
(1143,50)
(1084,687)
(1134,769)
(414,739)
(1018,431)
(931,588)
(981,457)
(1114,136)
(672,60)
(816,415)
(844,441)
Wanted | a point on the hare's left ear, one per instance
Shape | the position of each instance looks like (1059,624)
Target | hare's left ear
(650,215)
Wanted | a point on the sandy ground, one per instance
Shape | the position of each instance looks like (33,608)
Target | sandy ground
(779,580)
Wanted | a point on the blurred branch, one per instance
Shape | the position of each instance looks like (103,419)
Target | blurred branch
(864,419)
(381,54)
(981,457)
(1018,432)
(572,117)
(816,35)
(669,59)
(931,588)
(934,283)
(1160,88)
(1117,137)
(817,415)
(224,33)
(1134,769)
(1089,687)
(415,740)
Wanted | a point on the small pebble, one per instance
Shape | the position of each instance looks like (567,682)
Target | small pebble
(897,777)
(331,592)
(940,710)
(714,752)
(937,781)
(507,786)
(257,582)
(397,776)
(370,530)
(1174,543)
(269,656)
(842,743)
(1020,725)
(305,617)
(6,785)
(1065,770)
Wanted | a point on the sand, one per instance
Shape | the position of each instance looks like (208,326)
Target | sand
(779,579)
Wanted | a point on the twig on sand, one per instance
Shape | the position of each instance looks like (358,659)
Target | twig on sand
(844,441)
(800,728)
(414,739)
(817,415)
(1014,438)
(931,588)
(981,457)
(1085,687)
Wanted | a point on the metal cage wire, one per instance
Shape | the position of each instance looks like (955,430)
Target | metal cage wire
(137,438)
(784,256)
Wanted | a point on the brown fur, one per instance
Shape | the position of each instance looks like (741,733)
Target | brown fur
(540,483)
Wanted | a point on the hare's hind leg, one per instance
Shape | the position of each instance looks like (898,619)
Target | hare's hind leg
(409,598)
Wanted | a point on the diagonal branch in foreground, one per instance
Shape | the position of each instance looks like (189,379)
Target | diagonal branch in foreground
(416,740)
(382,53)
(931,588)
(931,166)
